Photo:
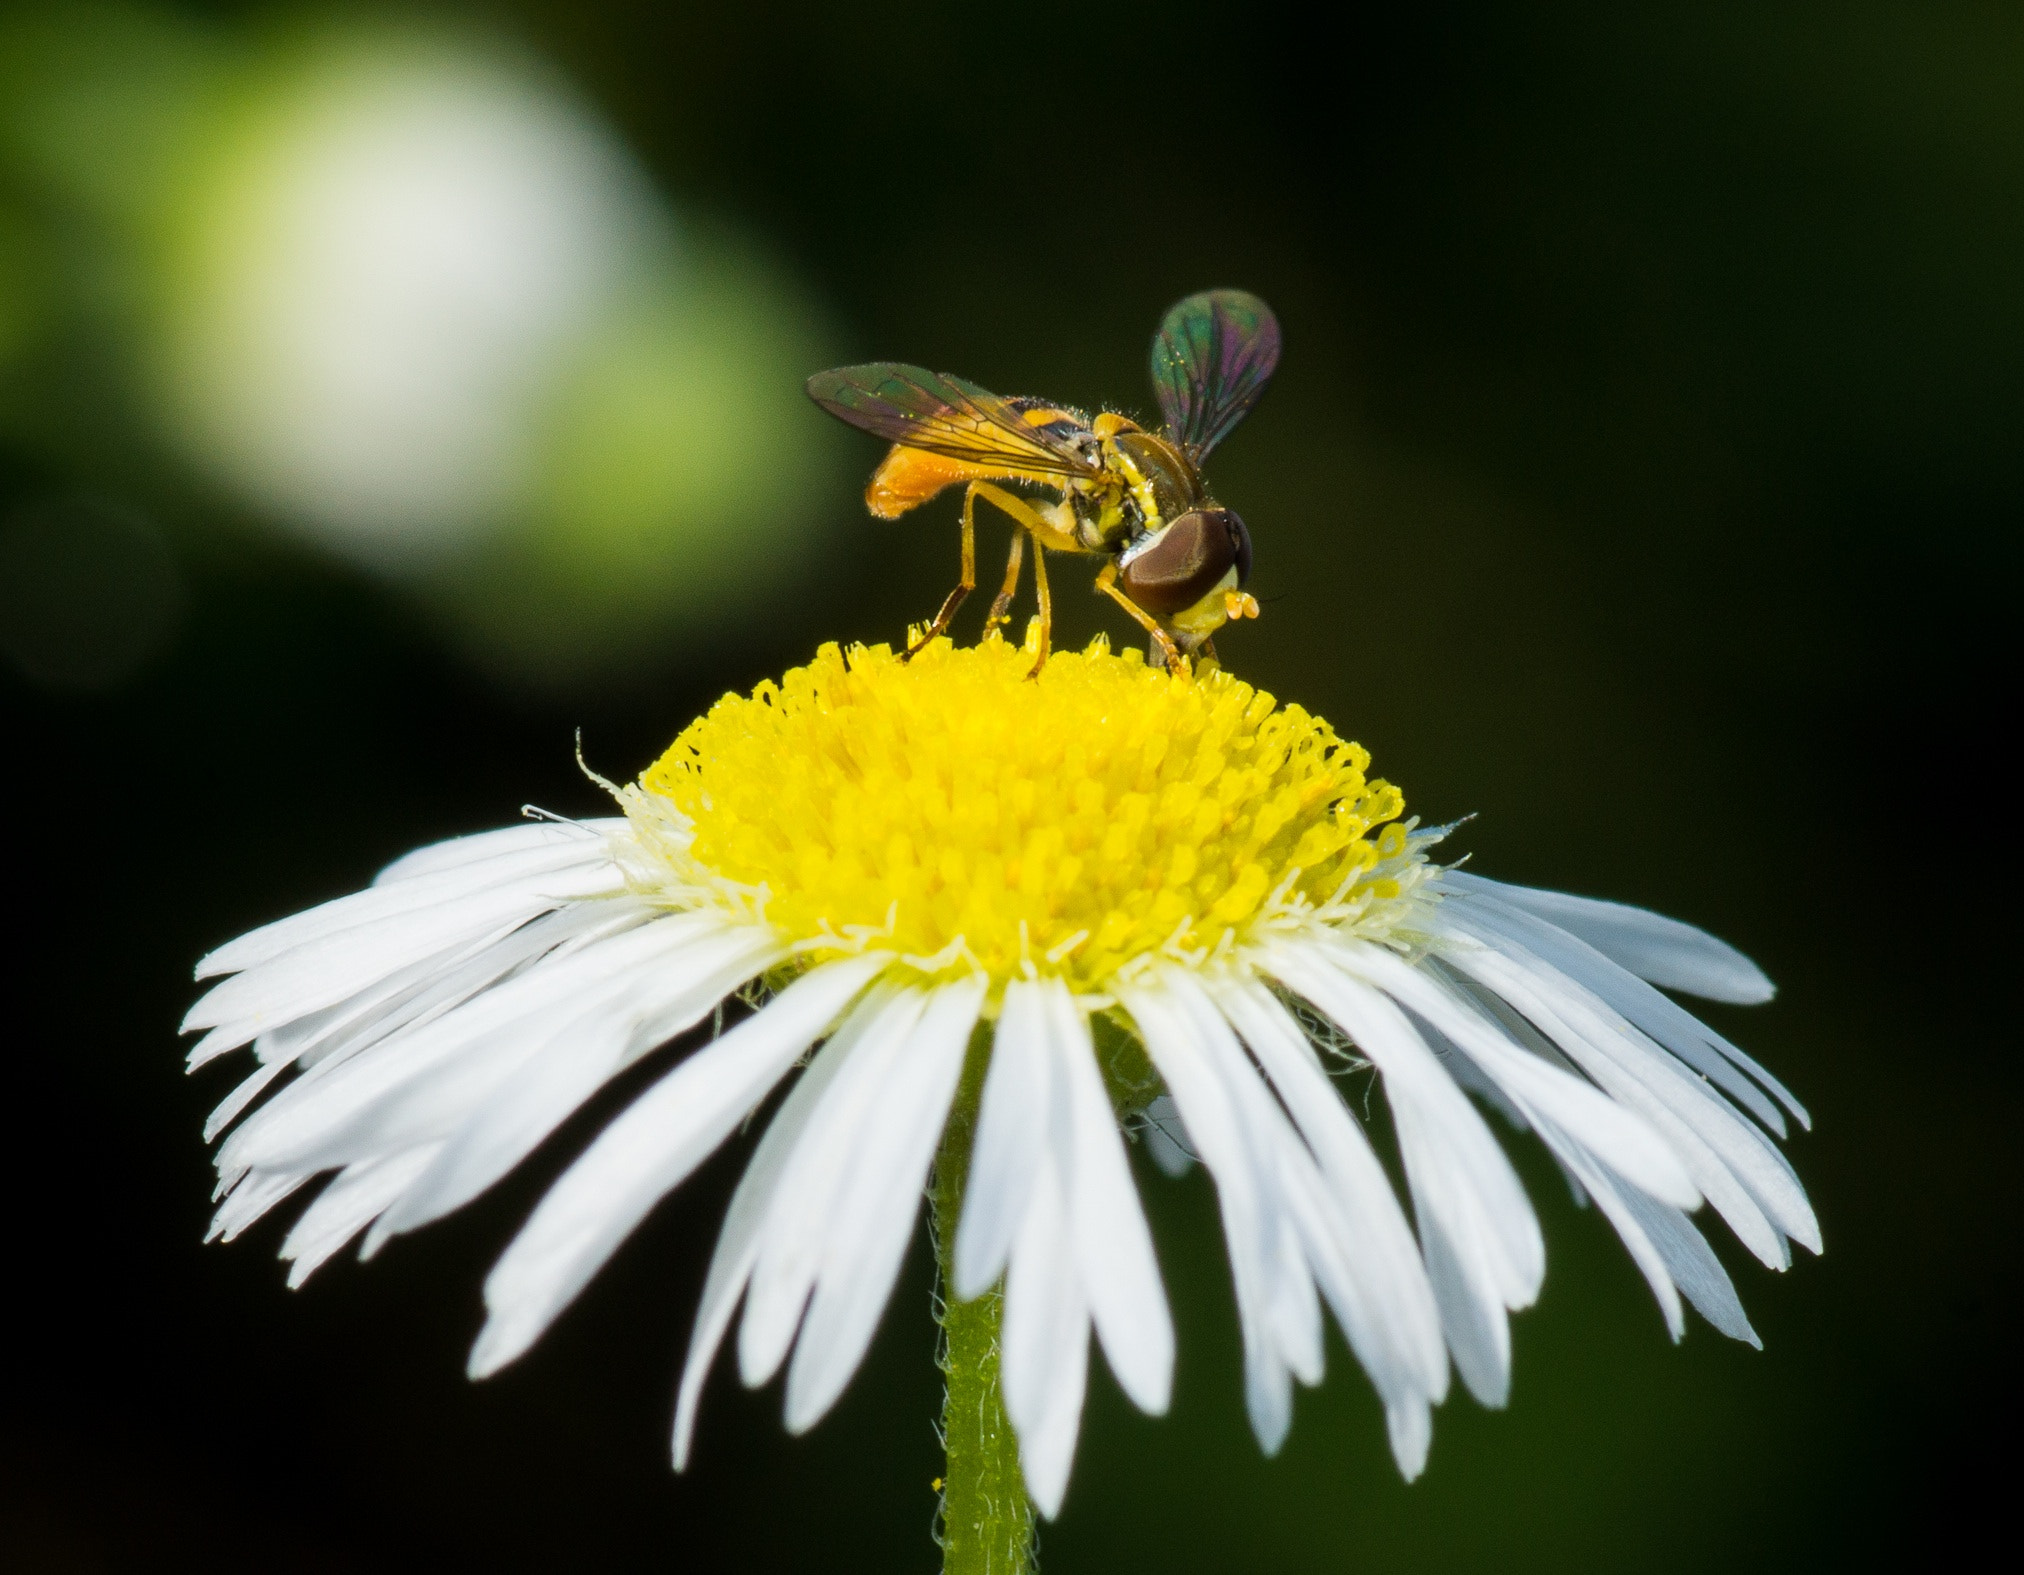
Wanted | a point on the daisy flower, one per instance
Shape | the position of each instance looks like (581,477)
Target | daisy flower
(989,935)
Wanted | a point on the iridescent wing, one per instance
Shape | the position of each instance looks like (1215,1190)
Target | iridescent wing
(954,418)
(1212,358)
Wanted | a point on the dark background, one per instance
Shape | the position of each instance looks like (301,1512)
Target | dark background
(1644,475)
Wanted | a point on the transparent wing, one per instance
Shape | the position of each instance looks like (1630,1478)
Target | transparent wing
(954,418)
(1212,358)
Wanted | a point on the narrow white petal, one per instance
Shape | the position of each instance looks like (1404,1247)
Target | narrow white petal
(1749,1182)
(1465,1289)
(249,1089)
(419,1084)
(1653,947)
(425,988)
(1599,1186)
(1012,1134)
(1251,1229)
(554,1085)
(646,1153)
(1410,1426)
(875,1211)
(1694,1267)
(806,1202)
(739,1241)
(1166,1137)
(1297,1217)
(346,1207)
(1455,1149)
(1620,1139)
(328,971)
(1114,1249)
(1479,1236)
(486,845)
(1044,1362)
(1664,1019)
(249,1199)
(381,905)
(1388,1314)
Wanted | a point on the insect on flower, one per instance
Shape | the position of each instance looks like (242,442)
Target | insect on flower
(1178,558)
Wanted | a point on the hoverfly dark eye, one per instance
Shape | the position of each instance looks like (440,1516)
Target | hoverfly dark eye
(1187,562)
(1242,537)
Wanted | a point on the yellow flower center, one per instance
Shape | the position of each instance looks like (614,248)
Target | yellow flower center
(976,817)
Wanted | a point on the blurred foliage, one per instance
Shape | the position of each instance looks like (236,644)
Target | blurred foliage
(1644,474)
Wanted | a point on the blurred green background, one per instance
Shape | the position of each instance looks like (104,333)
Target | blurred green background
(386,394)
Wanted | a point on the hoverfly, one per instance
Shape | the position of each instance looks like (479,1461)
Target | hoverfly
(1178,558)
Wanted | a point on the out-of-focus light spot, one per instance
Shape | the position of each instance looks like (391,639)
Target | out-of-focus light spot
(89,594)
(409,300)
(389,262)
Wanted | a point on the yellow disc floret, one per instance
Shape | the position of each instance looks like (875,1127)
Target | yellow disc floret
(969,816)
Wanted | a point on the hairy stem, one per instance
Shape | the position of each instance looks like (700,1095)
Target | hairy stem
(987,1519)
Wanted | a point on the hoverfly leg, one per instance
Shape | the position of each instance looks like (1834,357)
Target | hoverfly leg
(1014,561)
(1046,608)
(1163,652)
(968,583)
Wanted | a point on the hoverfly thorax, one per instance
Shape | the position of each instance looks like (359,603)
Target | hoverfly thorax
(1163,484)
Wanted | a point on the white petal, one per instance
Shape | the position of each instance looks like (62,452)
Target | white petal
(250,1198)
(1390,1317)
(1694,1267)
(806,1202)
(648,1151)
(1478,1233)
(485,845)
(1114,1250)
(1653,947)
(1622,1141)
(1268,1307)
(346,1207)
(1455,1147)
(425,988)
(1409,1425)
(249,1089)
(419,1085)
(556,1082)
(376,905)
(1012,1135)
(1733,1163)
(1044,1365)
(1166,1137)
(739,1241)
(1670,1024)
(1295,1212)
(326,971)
(1598,1185)
(875,1211)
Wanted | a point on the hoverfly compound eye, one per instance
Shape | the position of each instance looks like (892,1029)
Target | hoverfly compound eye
(1186,561)
(1242,537)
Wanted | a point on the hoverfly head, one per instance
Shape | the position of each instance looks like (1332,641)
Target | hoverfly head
(1175,568)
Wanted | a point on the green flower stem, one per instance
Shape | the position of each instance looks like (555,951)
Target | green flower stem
(987,1519)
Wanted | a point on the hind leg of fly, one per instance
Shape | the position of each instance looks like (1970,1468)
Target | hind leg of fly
(1022,514)
(964,586)
(1002,603)
(1046,609)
